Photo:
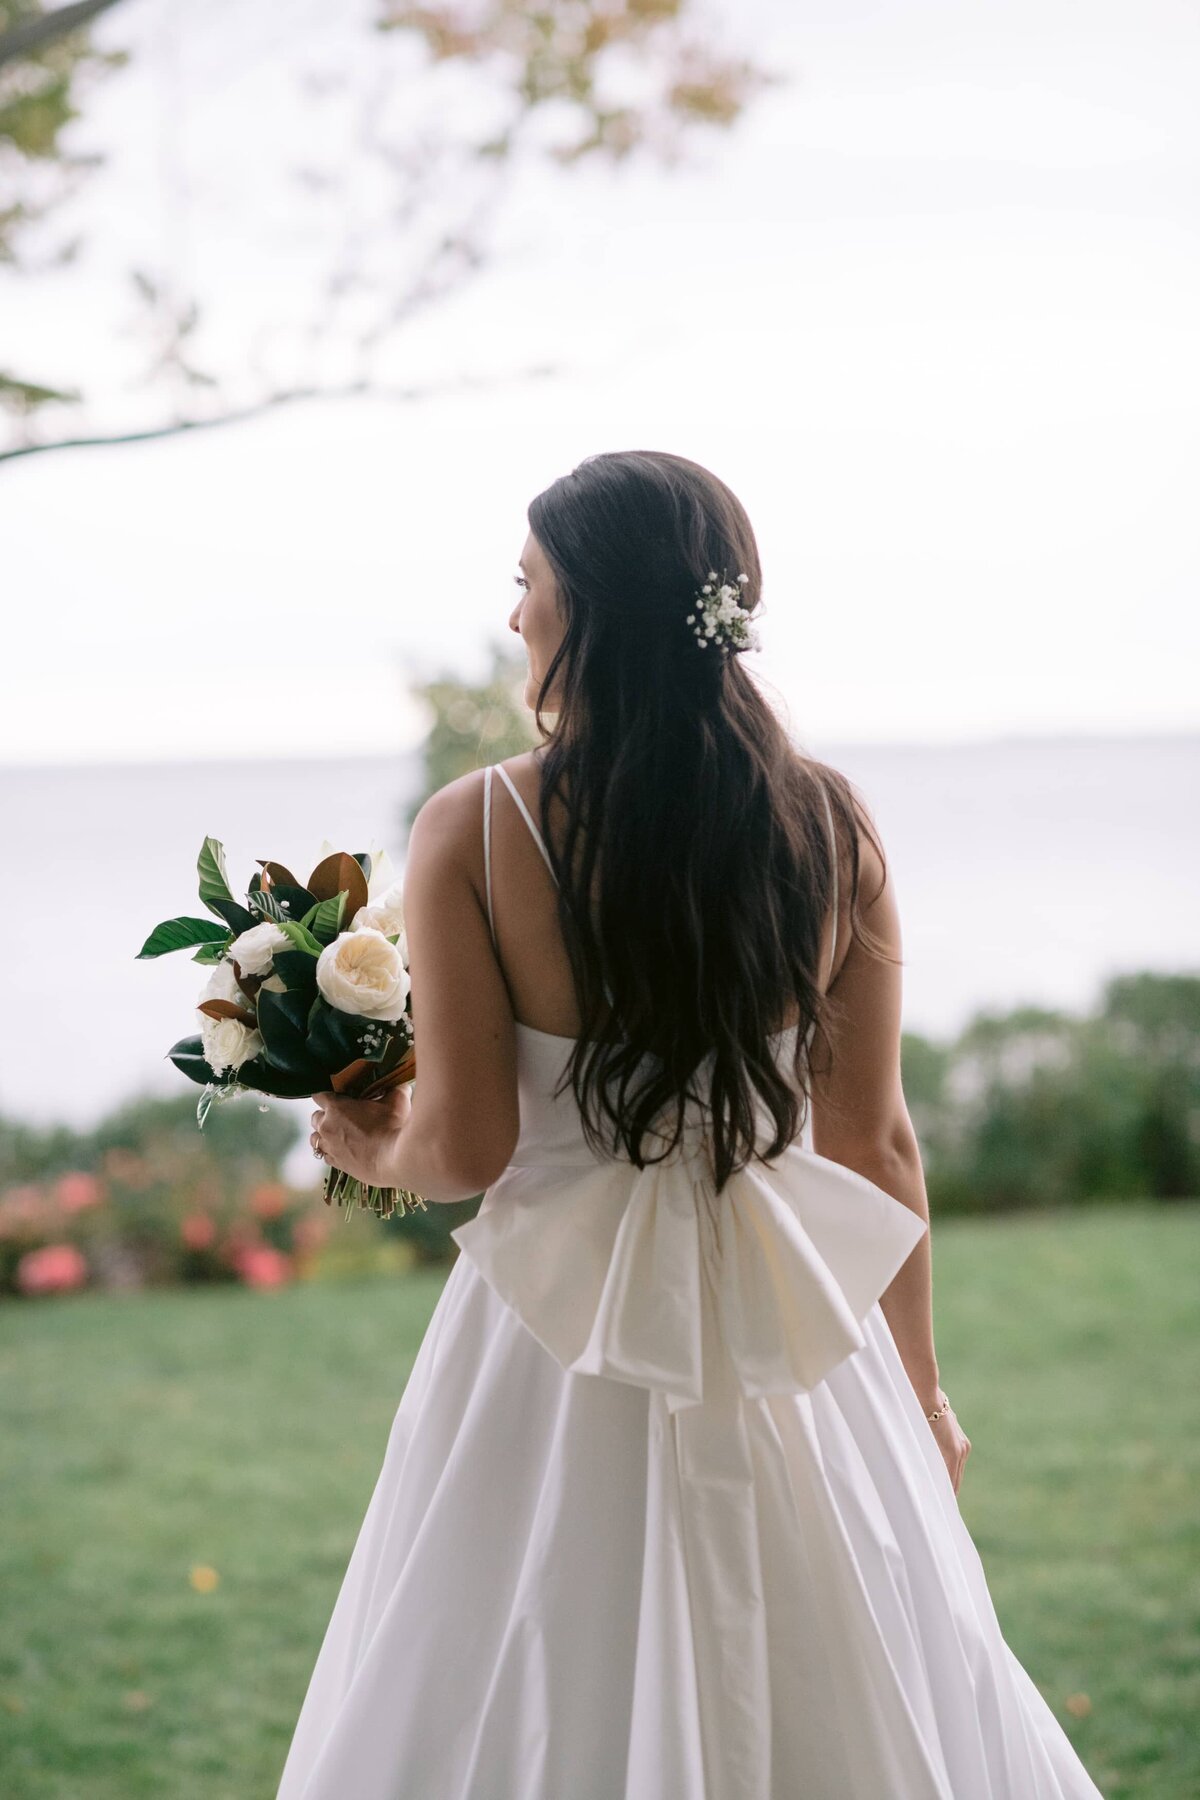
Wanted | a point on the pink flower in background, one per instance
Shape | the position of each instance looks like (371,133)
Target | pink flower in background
(23,1205)
(55,1269)
(127,1167)
(76,1191)
(268,1199)
(309,1234)
(261,1266)
(197,1231)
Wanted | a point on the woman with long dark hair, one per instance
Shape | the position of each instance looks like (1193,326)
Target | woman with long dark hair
(668,1510)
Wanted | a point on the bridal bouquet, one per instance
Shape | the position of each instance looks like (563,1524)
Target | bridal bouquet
(309,992)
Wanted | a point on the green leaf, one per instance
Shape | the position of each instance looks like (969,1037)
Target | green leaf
(236,917)
(364,862)
(282,1020)
(214,879)
(188,1057)
(266,906)
(298,969)
(182,934)
(264,1078)
(324,919)
(301,936)
(210,953)
(336,1038)
(295,901)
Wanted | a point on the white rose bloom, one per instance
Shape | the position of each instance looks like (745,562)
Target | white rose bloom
(226,1043)
(255,949)
(361,973)
(387,915)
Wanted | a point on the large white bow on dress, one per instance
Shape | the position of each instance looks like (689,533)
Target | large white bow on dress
(648,1276)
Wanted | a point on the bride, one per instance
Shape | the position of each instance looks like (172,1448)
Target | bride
(668,1508)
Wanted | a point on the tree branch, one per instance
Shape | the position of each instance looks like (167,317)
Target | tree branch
(354,390)
(34,34)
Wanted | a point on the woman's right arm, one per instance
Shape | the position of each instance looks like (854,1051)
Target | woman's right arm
(861,1119)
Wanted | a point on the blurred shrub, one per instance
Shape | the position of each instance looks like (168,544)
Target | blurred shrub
(1039,1108)
(146,1198)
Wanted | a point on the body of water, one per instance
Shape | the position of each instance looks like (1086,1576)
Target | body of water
(1026,871)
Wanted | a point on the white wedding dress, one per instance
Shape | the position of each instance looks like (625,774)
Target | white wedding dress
(661,1516)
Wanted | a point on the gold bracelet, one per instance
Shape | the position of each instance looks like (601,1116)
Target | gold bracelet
(937,1412)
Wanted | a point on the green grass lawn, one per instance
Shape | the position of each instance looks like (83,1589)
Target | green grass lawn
(149,1435)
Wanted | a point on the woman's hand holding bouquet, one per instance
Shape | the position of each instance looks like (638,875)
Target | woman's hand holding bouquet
(309,995)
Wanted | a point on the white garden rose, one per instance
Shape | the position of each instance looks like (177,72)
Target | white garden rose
(227,1043)
(255,949)
(387,915)
(361,973)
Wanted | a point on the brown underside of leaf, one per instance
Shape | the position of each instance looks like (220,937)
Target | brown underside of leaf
(347,1080)
(249,984)
(275,875)
(337,873)
(226,1009)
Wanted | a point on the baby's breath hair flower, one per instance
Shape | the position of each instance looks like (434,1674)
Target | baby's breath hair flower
(722,619)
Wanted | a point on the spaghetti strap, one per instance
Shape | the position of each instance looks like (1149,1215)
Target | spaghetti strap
(526,815)
(487,847)
(537,838)
(833,846)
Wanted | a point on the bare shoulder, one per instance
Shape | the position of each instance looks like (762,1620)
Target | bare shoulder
(852,814)
(448,821)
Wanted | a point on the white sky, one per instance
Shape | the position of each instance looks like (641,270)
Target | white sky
(931,312)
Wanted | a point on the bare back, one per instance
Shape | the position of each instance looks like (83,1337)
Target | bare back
(518,892)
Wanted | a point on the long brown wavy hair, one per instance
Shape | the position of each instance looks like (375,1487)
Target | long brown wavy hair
(696,869)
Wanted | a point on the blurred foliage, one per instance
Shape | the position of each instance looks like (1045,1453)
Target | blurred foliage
(473,725)
(235,1137)
(554,82)
(44,82)
(1038,1108)
(145,1198)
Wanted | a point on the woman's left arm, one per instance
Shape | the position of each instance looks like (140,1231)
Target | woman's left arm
(460,1131)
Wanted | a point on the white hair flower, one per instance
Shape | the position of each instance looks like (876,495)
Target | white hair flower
(723,620)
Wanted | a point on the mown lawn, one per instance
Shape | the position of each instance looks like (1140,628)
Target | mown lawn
(150,1438)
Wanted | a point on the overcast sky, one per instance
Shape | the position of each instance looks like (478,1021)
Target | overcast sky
(931,311)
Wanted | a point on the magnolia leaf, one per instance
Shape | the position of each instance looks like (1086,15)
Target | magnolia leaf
(226,1009)
(301,936)
(264,903)
(181,934)
(295,902)
(236,916)
(405,1070)
(363,859)
(282,1020)
(335,873)
(275,875)
(324,919)
(265,1078)
(188,1057)
(336,1037)
(214,879)
(211,953)
(298,969)
(346,1080)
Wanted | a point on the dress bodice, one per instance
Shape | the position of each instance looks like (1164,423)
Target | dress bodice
(551,1127)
